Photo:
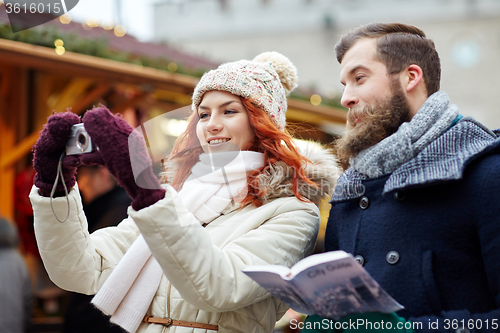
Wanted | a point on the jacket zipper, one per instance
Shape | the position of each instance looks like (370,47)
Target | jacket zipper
(168,298)
(168,304)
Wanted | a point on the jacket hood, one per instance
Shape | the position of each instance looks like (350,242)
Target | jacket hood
(276,181)
(323,171)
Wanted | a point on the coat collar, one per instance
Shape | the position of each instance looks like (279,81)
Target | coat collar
(444,159)
(322,169)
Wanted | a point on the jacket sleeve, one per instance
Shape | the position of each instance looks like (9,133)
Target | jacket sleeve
(74,260)
(486,206)
(209,277)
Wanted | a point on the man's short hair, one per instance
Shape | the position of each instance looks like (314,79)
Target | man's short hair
(398,46)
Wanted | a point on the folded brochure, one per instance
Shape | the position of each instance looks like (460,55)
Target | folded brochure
(331,285)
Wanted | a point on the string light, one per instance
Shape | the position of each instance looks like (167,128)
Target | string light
(108,25)
(65,19)
(60,50)
(172,66)
(92,21)
(120,31)
(173,127)
(59,44)
(315,99)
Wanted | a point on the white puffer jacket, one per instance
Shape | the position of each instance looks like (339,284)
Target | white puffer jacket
(202,279)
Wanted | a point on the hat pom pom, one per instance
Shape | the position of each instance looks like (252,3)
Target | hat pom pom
(283,66)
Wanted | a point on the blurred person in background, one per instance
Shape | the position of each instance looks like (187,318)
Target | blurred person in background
(105,204)
(47,297)
(15,283)
(24,214)
(240,193)
(425,221)
(104,201)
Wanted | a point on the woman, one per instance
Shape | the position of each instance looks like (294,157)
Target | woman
(240,194)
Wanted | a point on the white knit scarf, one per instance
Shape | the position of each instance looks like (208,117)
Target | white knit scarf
(432,119)
(215,182)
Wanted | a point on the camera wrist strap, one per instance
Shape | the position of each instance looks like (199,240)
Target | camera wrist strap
(59,172)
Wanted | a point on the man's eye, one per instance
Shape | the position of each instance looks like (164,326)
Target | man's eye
(359,77)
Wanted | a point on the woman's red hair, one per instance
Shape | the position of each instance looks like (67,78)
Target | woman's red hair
(276,145)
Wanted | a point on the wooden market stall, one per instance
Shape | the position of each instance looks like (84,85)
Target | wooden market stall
(35,81)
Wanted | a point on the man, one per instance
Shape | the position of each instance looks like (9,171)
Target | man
(105,204)
(417,204)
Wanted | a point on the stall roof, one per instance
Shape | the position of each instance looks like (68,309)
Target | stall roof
(126,43)
(43,58)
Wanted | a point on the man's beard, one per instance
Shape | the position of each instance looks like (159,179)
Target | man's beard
(376,123)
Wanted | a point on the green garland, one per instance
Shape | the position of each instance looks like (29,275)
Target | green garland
(333,102)
(47,34)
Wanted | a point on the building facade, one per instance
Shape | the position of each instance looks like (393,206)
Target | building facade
(466,34)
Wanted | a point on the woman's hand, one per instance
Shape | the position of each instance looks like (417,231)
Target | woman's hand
(115,139)
(48,150)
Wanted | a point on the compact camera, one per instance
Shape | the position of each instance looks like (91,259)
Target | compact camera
(79,141)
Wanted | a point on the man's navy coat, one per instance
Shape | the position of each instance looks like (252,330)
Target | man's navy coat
(429,233)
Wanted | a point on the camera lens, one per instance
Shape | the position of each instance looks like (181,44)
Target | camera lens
(82,140)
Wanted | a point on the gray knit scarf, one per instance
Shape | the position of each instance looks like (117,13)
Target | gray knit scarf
(432,119)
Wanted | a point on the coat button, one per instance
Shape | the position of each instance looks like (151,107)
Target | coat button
(392,257)
(364,202)
(399,195)
(359,259)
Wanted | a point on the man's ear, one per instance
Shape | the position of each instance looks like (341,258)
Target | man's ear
(413,77)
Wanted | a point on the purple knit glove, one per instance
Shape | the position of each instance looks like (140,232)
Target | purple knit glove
(48,149)
(111,134)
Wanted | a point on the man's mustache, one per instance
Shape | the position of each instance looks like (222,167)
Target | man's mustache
(360,113)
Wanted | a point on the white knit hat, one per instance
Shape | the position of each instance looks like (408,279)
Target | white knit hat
(266,81)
